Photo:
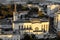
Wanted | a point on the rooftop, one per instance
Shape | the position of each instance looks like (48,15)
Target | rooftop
(35,20)
(5,22)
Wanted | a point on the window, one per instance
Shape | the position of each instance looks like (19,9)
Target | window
(18,16)
(22,26)
(36,29)
(44,26)
(19,27)
(30,27)
(21,16)
(27,26)
(17,39)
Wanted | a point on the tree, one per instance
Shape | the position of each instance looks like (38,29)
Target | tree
(27,37)
(34,37)
(6,10)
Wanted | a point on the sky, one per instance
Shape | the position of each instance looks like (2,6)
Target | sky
(3,1)
(9,0)
(6,1)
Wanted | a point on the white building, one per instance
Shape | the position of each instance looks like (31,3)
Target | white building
(30,25)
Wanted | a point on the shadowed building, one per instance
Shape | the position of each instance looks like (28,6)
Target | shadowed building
(57,22)
(30,24)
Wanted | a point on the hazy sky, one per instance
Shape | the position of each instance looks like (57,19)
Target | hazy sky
(6,1)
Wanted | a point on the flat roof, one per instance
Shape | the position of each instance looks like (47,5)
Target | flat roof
(35,20)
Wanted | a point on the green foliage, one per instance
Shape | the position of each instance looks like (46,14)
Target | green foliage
(27,37)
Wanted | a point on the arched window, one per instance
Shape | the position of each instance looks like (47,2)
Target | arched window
(36,29)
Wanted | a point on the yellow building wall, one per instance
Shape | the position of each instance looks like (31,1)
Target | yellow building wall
(44,25)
